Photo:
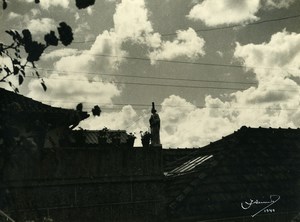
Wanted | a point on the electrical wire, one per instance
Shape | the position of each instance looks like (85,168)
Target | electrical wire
(220,28)
(146,77)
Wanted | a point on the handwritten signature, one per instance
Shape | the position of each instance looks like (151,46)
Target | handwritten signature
(273,199)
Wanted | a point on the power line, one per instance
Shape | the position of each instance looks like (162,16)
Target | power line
(156,84)
(188,62)
(166,85)
(150,77)
(220,28)
(145,106)
(241,25)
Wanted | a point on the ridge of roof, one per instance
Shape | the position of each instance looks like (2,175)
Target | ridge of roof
(247,155)
(11,100)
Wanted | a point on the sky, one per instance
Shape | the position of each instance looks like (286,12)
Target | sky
(210,66)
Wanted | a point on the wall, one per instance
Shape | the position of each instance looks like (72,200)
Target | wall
(83,184)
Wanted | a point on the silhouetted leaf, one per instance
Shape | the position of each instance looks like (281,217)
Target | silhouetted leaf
(7,70)
(96,111)
(65,33)
(16,90)
(51,38)
(21,79)
(35,50)
(16,62)
(44,86)
(27,39)
(79,107)
(16,70)
(4,5)
(17,37)
(37,1)
(84,3)
(10,32)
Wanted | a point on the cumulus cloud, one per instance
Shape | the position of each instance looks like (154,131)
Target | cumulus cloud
(107,43)
(219,12)
(67,92)
(277,58)
(131,23)
(43,25)
(113,120)
(225,12)
(82,68)
(274,102)
(185,125)
(187,43)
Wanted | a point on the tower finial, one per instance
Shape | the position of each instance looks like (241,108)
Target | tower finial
(153,107)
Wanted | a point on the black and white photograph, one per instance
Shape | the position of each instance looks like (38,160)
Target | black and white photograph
(150,110)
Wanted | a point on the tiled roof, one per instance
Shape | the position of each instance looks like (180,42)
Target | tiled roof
(174,157)
(12,101)
(249,164)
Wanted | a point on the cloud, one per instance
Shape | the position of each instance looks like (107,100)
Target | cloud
(46,4)
(220,12)
(94,59)
(13,15)
(131,23)
(113,120)
(67,92)
(185,125)
(277,58)
(59,53)
(43,25)
(278,3)
(187,43)
(82,67)
(274,102)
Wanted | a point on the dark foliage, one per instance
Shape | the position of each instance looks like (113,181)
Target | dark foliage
(84,3)
(4,4)
(65,33)
(51,39)
(96,111)
(34,49)
(23,46)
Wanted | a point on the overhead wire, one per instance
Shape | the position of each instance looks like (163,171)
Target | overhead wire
(148,77)
(148,106)
(157,84)
(198,63)
(166,85)
(219,28)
